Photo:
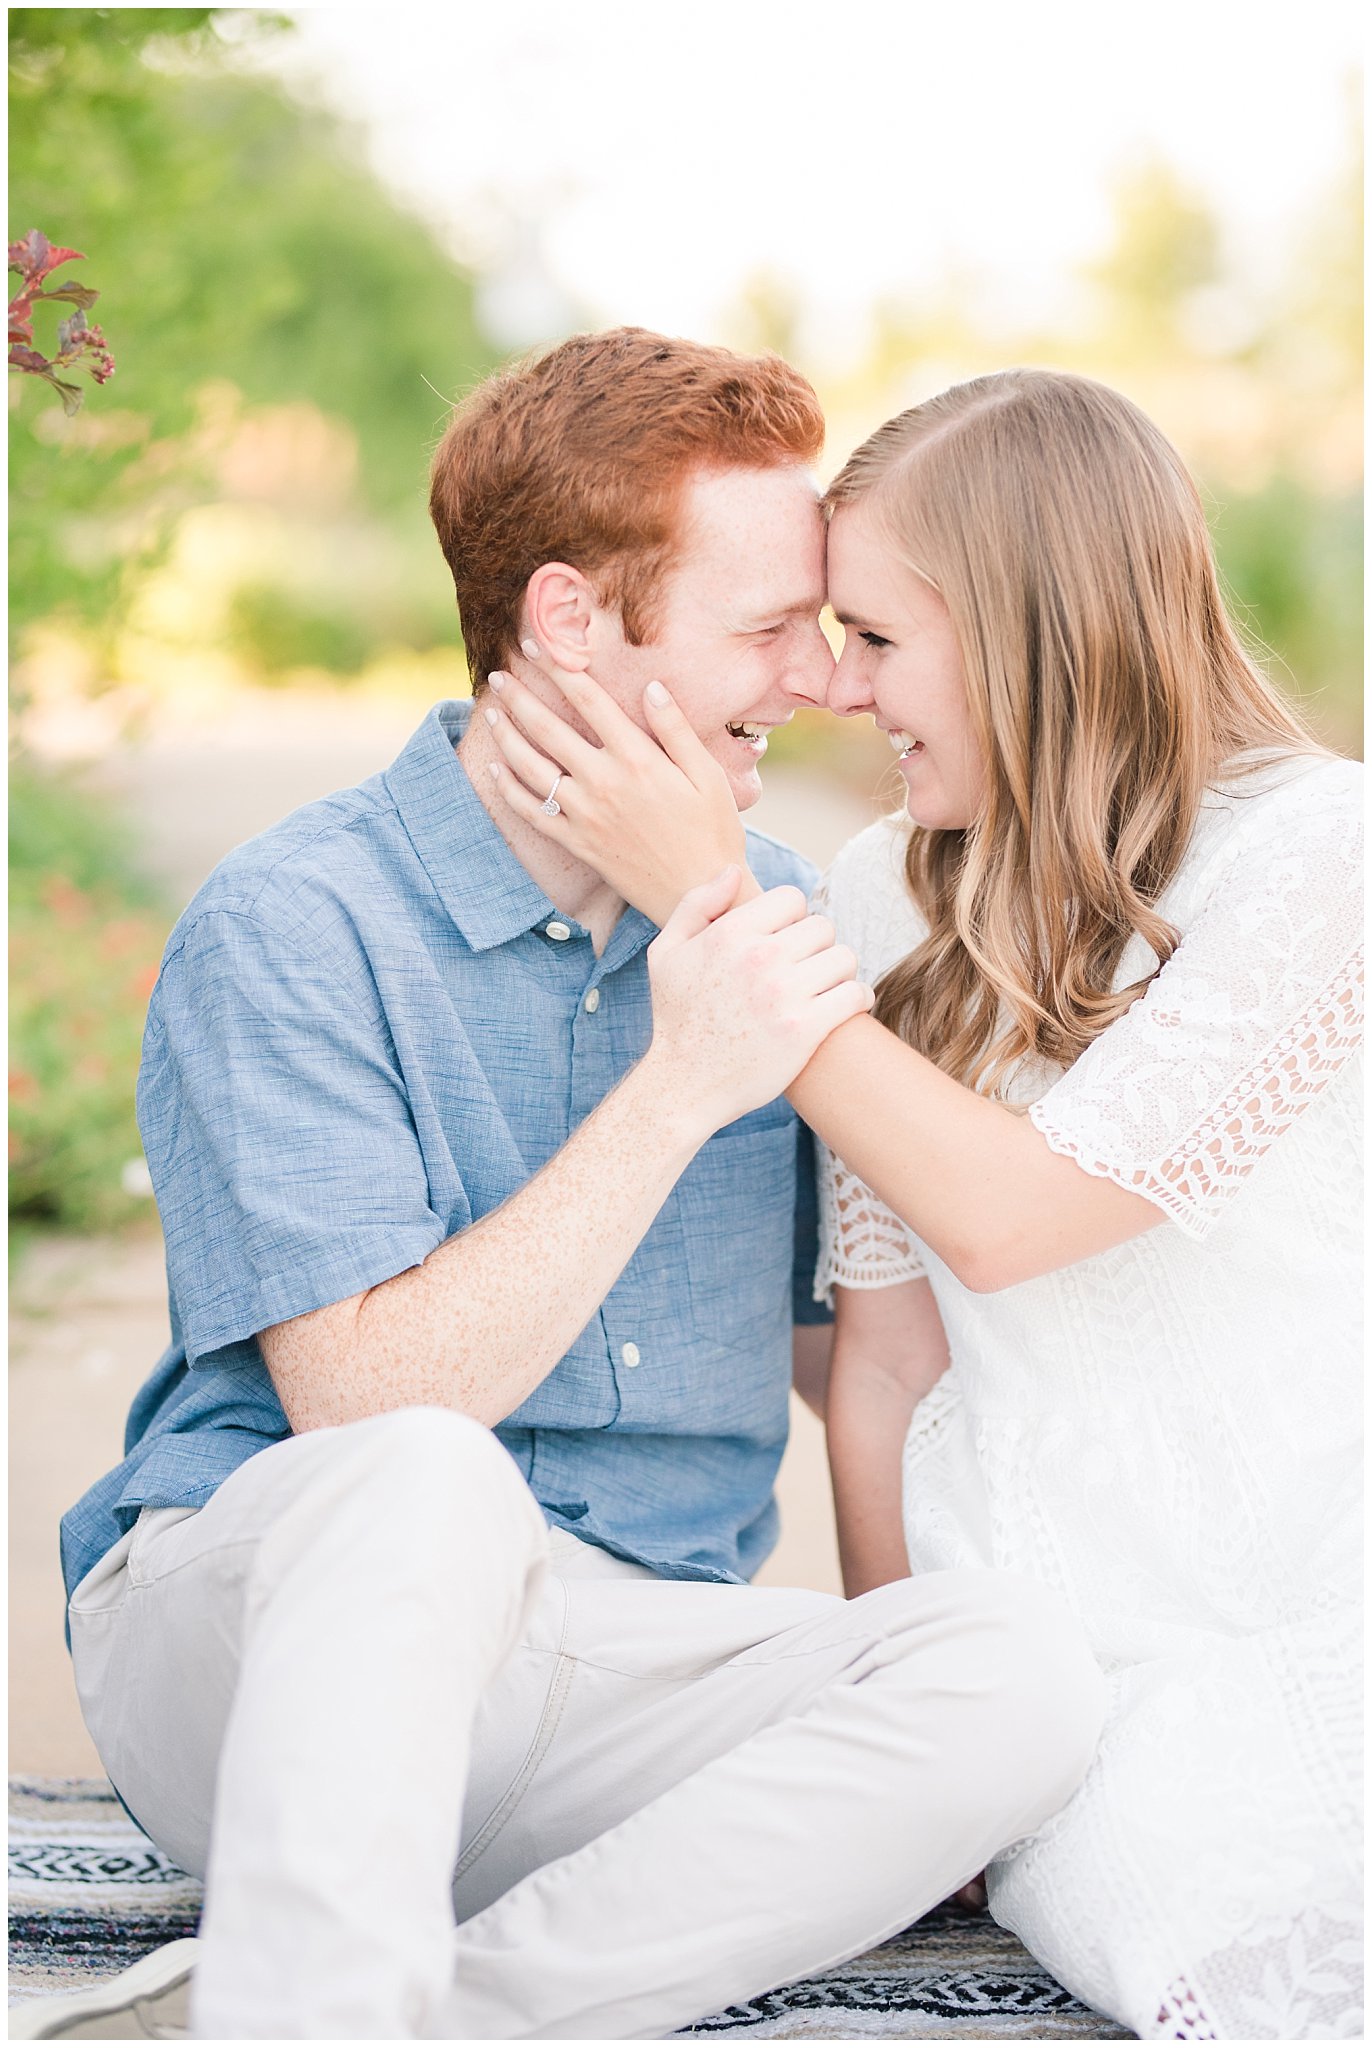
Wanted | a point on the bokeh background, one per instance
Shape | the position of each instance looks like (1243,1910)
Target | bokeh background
(312,230)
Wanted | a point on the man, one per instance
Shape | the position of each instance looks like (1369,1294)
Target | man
(420,1596)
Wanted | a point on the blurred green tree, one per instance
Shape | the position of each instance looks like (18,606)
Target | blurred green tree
(239,237)
(1164,248)
(1291,560)
(239,241)
(1257,380)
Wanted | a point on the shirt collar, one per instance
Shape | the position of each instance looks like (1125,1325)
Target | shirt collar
(488,894)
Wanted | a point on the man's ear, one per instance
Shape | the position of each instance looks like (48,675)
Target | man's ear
(559,606)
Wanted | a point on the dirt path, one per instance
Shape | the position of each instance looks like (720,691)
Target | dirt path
(88,1317)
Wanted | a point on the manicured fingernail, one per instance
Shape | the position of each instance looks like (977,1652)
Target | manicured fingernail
(492,716)
(530,648)
(656,694)
(493,770)
(497,679)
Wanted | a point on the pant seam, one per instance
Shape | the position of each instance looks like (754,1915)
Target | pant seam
(549,1720)
(869,1639)
(188,1563)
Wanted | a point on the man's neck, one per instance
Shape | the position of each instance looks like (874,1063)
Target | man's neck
(570,884)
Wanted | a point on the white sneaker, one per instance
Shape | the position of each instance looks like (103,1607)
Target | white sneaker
(150,2001)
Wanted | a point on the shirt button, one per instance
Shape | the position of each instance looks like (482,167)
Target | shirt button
(631,1354)
(592,1002)
(558,930)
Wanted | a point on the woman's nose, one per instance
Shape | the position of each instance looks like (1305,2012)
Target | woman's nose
(848,692)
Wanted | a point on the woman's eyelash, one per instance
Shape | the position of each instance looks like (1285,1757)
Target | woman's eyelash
(874,639)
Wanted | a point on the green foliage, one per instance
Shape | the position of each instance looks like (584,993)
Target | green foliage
(1292,565)
(239,241)
(284,631)
(38,35)
(86,935)
(236,236)
(335,628)
(1165,247)
(57,828)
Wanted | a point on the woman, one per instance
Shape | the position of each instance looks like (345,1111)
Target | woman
(1097,1148)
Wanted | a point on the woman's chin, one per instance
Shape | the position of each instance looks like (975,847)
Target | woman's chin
(932,815)
(924,808)
(927,803)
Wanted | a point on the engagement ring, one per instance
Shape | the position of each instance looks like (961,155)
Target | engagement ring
(550,805)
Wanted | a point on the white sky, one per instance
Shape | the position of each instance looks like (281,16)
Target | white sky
(649,156)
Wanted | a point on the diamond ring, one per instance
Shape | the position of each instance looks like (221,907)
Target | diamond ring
(550,805)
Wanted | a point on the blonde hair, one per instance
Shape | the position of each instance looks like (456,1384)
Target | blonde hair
(1106,688)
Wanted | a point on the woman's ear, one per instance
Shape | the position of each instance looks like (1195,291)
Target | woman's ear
(559,605)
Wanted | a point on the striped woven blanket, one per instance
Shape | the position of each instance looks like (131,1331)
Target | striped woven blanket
(89,1894)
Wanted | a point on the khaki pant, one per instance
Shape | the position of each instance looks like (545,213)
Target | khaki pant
(366,1694)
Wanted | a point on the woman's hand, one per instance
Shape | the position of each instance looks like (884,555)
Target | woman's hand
(652,812)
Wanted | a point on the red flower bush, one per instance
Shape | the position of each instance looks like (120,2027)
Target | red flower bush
(79,344)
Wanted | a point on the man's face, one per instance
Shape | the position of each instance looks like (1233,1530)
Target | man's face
(736,635)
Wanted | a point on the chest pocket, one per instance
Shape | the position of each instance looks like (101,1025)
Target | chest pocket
(737,1205)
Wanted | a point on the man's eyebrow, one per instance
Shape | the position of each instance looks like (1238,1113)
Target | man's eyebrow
(803,608)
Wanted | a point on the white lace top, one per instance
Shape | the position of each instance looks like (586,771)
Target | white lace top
(1167,1432)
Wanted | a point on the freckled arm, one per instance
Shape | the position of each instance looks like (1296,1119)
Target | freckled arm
(488,1315)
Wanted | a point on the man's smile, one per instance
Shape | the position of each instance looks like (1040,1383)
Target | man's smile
(753,732)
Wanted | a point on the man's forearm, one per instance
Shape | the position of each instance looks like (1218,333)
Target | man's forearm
(490,1312)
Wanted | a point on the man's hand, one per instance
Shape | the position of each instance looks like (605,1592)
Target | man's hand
(743,996)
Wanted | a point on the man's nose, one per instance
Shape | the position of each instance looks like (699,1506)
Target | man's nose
(848,693)
(808,676)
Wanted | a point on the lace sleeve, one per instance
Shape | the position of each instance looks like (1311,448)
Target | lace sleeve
(862,1243)
(1256,1011)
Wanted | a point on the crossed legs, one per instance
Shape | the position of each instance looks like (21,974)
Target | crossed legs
(365,1662)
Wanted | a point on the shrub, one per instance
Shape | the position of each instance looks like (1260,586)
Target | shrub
(86,935)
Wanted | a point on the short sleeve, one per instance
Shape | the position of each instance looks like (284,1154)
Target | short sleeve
(1257,1010)
(862,1243)
(278,1134)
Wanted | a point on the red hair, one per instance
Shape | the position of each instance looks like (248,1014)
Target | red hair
(582,456)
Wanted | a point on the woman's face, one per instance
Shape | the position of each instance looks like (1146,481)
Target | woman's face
(901,662)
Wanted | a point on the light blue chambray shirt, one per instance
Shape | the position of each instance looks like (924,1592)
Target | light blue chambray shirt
(371,1027)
